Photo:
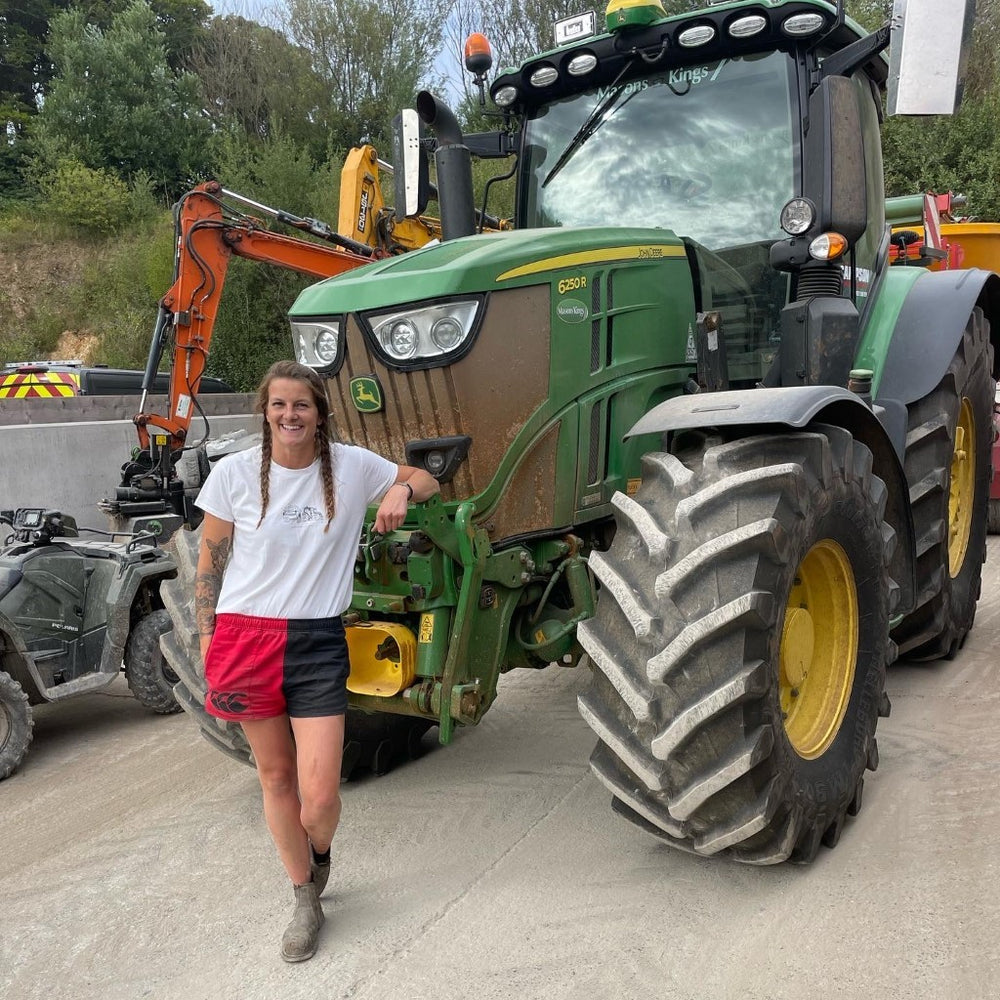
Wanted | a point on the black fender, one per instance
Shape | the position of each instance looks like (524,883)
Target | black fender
(741,412)
(122,594)
(15,659)
(929,329)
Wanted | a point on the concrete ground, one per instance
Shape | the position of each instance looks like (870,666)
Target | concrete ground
(134,862)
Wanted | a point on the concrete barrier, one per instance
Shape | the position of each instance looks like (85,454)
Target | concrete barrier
(67,453)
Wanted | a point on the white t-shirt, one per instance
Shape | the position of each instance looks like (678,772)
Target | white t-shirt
(288,568)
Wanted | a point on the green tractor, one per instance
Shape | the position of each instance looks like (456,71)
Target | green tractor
(692,430)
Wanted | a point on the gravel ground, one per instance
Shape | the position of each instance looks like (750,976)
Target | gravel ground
(135,863)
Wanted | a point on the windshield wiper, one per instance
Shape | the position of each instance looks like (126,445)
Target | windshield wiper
(592,122)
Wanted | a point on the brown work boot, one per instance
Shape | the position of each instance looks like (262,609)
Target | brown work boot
(301,935)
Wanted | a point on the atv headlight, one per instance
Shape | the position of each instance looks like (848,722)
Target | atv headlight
(318,343)
(412,336)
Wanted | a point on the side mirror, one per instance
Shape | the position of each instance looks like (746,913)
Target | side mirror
(411,171)
(835,159)
(928,55)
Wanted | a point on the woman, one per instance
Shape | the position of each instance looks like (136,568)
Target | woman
(275,569)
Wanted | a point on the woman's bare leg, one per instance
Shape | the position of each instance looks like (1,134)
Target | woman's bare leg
(319,746)
(274,752)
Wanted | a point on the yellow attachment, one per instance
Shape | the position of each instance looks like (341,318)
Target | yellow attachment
(819,649)
(364,216)
(361,199)
(383,658)
(963,488)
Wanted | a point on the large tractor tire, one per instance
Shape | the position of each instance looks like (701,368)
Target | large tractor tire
(149,676)
(16,724)
(373,741)
(740,644)
(993,518)
(947,463)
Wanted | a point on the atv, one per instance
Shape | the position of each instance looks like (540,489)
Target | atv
(74,612)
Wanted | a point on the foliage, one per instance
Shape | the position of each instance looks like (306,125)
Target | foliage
(95,201)
(182,22)
(258,82)
(372,54)
(26,69)
(120,290)
(959,154)
(114,103)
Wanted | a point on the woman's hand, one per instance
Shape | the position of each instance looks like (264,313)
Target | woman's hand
(411,484)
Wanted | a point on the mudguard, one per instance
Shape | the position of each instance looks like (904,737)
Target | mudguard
(929,327)
(16,660)
(121,595)
(751,411)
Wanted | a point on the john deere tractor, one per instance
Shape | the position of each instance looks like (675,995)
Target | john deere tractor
(692,430)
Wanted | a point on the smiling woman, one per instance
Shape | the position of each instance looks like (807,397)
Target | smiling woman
(275,571)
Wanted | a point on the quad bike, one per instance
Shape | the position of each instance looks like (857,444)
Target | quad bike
(74,612)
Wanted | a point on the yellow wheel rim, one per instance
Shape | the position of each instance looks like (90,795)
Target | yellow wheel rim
(819,649)
(961,495)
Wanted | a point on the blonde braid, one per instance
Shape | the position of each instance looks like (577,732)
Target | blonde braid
(326,466)
(265,473)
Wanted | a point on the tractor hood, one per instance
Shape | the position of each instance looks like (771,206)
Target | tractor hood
(487,262)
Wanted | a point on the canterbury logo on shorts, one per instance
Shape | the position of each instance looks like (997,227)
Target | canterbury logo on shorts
(229,702)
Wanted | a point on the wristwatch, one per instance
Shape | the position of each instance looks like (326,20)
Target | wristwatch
(409,490)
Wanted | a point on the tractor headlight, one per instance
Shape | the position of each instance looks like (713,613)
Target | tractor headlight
(318,343)
(798,216)
(412,336)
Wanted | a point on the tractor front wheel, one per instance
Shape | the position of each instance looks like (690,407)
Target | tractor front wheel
(740,644)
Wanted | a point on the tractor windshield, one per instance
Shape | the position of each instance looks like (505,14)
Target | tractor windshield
(707,151)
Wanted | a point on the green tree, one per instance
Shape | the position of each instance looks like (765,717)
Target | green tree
(115,104)
(373,54)
(181,21)
(253,78)
(24,71)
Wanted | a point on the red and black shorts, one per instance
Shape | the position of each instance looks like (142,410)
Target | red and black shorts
(260,668)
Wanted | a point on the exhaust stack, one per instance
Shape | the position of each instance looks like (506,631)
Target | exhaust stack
(453,162)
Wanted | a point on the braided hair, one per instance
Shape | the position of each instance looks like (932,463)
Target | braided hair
(324,436)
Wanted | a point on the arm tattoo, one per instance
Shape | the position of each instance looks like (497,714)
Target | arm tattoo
(208,585)
(219,552)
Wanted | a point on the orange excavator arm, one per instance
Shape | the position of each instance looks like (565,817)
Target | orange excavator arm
(209,234)
(210,231)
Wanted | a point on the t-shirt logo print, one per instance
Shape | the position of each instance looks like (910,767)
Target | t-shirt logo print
(293,514)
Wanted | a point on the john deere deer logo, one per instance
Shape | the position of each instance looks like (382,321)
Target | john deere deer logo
(367,394)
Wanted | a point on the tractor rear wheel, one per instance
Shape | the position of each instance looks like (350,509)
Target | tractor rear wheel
(740,644)
(947,463)
(16,724)
(375,740)
(149,676)
(993,518)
